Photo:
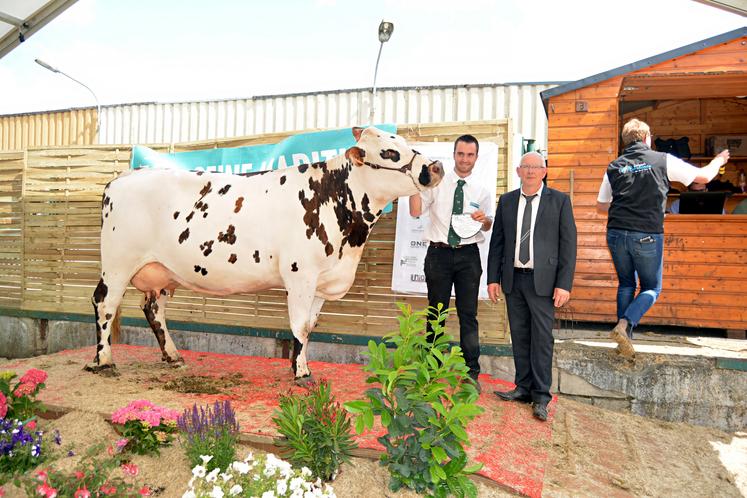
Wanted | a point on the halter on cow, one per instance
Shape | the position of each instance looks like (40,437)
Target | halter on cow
(300,228)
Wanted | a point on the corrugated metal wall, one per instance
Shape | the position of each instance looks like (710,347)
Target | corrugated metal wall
(207,120)
(70,127)
(192,121)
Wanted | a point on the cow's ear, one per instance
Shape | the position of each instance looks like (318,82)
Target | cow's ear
(357,132)
(356,155)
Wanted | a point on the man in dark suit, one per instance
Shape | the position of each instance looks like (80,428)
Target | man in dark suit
(532,260)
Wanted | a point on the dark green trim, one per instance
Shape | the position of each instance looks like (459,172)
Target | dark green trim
(214,328)
(732,364)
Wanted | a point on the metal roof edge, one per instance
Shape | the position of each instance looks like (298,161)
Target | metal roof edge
(290,95)
(635,66)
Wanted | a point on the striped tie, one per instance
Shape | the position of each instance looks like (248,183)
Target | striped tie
(526,229)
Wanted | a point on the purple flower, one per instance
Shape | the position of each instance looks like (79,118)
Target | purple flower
(57,437)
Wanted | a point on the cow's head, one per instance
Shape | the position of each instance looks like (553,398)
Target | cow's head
(407,171)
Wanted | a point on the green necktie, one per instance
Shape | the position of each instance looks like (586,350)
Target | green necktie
(458,208)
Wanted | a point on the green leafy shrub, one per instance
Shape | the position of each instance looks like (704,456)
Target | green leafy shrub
(316,431)
(424,400)
(209,431)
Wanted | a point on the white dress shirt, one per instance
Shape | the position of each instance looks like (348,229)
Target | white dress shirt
(677,171)
(438,203)
(519,218)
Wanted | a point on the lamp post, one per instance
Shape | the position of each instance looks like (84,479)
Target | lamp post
(98,107)
(385,32)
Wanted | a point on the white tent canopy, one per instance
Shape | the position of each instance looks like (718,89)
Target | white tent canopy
(19,19)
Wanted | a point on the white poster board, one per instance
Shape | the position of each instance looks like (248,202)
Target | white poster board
(409,243)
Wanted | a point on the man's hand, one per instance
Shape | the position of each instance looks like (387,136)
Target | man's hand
(560,296)
(494,291)
(482,218)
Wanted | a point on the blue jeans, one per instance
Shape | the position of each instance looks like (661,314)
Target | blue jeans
(641,254)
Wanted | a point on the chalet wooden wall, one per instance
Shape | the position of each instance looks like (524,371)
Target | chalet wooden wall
(705,256)
(50,202)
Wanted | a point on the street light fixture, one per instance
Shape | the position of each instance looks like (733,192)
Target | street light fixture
(98,107)
(385,32)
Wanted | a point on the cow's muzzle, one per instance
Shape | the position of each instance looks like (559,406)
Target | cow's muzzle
(431,175)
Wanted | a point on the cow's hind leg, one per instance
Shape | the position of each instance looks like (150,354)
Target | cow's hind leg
(303,312)
(106,300)
(155,312)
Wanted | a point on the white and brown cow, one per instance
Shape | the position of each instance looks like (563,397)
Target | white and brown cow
(300,228)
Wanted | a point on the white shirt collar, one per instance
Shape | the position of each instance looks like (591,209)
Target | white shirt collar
(538,193)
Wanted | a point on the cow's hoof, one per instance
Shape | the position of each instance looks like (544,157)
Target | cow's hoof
(304,381)
(103,370)
(177,363)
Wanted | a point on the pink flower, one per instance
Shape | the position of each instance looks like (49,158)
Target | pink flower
(130,469)
(41,476)
(2,491)
(121,443)
(82,493)
(46,490)
(108,489)
(144,491)
(3,405)
(79,474)
(34,376)
(31,425)
(24,389)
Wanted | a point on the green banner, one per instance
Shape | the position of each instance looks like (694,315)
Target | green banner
(305,148)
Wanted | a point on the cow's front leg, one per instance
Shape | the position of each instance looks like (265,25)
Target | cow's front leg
(303,311)
(106,299)
(155,313)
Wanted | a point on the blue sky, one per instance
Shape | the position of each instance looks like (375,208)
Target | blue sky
(166,51)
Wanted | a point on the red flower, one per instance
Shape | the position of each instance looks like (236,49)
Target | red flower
(79,474)
(46,490)
(31,425)
(3,405)
(82,493)
(24,389)
(34,376)
(144,491)
(108,489)
(41,476)
(130,469)
(2,491)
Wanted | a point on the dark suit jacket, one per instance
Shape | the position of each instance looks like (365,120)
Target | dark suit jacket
(554,242)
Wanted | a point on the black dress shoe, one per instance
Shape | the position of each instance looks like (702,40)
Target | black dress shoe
(514,395)
(539,410)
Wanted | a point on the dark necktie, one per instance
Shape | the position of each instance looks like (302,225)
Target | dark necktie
(457,208)
(526,230)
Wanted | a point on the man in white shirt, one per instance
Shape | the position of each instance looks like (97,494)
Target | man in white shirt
(633,193)
(452,260)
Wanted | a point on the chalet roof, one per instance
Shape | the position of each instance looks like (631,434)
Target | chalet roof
(635,66)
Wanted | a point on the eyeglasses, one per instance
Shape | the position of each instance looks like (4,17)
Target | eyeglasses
(525,166)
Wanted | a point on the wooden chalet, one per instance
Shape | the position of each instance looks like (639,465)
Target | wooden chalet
(698,91)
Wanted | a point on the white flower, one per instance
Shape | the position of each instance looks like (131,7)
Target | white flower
(241,467)
(199,471)
(282,486)
(297,493)
(213,475)
(216,492)
(296,483)
(249,457)
(206,459)
(189,494)
(226,477)
(236,489)
(306,472)
(268,494)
